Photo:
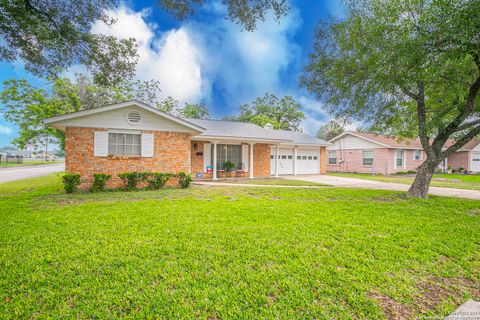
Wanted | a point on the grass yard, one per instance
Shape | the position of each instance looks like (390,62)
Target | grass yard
(34,162)
(459,181)
(273,182)
(233,252)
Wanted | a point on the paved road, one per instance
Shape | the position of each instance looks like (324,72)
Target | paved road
(369,184)
(17,173)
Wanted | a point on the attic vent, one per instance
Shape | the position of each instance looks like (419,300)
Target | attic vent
(268,126)
(133,117)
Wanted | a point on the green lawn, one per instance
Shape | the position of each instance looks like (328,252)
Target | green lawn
(273,181)
(233,252)
(34,162)
(460,181)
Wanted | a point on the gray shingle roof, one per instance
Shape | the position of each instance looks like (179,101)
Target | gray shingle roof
(234,129)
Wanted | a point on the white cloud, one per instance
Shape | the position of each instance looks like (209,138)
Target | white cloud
(247,64)
(5,130)
(242,65)
(170,58)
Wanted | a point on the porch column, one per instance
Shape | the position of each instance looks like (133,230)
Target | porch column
(215,160)
(295,150)
(276,160)
(251,160)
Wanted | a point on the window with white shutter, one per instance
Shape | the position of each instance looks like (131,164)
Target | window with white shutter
(100,143)
(147,145)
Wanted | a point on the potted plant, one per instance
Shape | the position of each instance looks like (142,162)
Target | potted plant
(228,167)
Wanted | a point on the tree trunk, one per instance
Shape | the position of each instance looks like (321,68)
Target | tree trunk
(421,184)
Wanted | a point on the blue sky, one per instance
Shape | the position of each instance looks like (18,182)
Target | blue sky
(211,60)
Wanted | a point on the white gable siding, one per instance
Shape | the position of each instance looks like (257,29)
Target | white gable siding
(116,119)
(477,148)
(351,142)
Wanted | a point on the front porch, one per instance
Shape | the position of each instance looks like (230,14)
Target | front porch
(219,159)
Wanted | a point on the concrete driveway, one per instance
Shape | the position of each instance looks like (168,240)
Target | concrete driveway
(377,185)
(16,173)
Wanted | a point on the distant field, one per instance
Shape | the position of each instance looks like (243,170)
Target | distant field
(30,162)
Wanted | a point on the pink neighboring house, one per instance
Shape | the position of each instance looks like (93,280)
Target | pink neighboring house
(366,152)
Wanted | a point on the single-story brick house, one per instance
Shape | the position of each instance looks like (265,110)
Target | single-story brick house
(366,152)
(133,136)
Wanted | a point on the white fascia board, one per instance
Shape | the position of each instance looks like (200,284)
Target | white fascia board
(242,139)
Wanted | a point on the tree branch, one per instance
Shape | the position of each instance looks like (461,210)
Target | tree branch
(468,108)
(467,125)
(422,120)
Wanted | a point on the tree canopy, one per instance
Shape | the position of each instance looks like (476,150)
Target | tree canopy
(51,35)
(405,67)
(330,130)
(245,13)
(283,113)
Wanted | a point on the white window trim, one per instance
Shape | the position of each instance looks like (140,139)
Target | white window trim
(421,155)
(373,158)
(125,132)
(404,158)
(336,159)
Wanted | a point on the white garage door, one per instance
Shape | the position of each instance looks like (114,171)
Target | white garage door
(308,161)
(285,161)
(475,164)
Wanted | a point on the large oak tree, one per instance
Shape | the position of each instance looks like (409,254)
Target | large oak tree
(405,67)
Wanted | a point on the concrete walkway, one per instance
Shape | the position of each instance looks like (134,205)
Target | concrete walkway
(353,183)
(377,185)
(16,173)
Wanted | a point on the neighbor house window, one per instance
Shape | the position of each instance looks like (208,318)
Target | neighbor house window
(417,154)
(332,157)
(367,157)
(228,152)
(399,159)
(124,144)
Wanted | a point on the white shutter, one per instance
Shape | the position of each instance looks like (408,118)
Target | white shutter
(207,156)
(100,143)
(147,145)
(245,156)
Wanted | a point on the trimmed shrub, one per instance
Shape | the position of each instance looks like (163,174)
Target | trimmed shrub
(71,182)
(99,182)
(131,179)
(184,179)
(411,172)
(157,180)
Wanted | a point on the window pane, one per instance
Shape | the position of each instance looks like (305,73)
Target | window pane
(111,138)
(284,157)
(121,138)
(299,157)
(129,138)
(289,157)
(272,156)
(368,154)
(315,158)
(137,138)
(304,157)
(111,148)
(120,149)
(137,150)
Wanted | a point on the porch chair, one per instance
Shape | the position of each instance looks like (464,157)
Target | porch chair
(240,171)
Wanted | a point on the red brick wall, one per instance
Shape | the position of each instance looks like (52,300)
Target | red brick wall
(171,154)
(323,160)
(261,160)
(459,159)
